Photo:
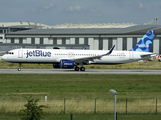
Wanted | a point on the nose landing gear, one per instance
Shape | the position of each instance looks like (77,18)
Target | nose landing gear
(19,69)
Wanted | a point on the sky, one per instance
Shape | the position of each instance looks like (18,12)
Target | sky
(53,12)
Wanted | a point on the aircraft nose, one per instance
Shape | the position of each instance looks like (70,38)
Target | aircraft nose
(3,57)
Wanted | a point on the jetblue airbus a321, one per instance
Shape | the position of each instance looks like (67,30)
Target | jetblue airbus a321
(69,59)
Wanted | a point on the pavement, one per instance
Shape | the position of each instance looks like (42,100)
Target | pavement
(88,71)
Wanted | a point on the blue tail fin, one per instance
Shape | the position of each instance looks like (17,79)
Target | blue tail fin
(145,43)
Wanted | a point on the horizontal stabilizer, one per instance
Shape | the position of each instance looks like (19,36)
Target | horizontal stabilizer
(147,55)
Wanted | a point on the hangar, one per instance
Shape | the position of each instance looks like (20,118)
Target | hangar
(93,38)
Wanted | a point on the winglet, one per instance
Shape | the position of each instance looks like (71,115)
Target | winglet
(110,51)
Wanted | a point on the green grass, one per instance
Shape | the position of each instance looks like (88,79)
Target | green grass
(92,117)
(86,85)
(80,92)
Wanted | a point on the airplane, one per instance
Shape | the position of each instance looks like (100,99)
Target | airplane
(69,59)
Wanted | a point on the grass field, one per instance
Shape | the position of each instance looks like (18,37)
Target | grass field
(83,95)
(80,92)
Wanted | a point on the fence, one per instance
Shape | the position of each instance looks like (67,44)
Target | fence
(94,109)
(104,106)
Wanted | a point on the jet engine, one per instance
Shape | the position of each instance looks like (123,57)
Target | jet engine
(65,64)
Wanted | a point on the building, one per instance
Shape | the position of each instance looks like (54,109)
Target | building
(97,37)
(7,27)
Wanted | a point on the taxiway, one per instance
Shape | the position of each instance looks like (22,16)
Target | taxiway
(88,71)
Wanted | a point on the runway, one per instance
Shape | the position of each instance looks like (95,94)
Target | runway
(88,71)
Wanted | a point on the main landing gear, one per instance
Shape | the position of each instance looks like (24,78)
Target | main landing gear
(19,69)
(76,68)
(81,68)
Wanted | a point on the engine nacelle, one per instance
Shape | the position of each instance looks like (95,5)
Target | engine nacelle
(66,64)
(56,65)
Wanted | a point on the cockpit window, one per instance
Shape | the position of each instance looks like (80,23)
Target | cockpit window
(9,53)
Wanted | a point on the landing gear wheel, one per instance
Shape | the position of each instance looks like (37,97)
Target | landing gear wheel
(76,68)
(19,69)
(82,69)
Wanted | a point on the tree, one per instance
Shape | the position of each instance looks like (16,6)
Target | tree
(32,110)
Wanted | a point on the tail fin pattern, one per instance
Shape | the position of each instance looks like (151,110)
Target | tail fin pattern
(144,44)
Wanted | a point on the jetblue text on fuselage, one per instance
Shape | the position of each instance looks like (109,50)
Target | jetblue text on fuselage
(38,53)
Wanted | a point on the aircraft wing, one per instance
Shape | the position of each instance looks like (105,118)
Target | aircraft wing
(91,58)
(87,58)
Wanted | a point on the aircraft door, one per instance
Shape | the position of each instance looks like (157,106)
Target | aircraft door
(131,55)
(20,54)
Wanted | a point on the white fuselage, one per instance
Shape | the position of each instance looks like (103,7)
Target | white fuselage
(55,55)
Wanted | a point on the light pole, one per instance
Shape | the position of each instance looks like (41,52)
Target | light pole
(114,92)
